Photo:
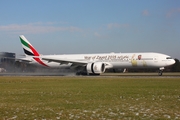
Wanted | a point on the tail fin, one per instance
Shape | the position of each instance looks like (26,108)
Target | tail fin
(29,50)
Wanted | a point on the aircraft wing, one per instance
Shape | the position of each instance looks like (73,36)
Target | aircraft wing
(66,61)
(27,60)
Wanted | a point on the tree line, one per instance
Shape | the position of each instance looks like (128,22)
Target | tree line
(176,66)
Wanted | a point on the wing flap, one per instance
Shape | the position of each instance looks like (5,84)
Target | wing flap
(23,60)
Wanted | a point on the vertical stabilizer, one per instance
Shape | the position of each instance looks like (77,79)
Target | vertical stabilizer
(29,50)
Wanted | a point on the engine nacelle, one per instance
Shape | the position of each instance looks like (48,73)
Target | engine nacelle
(95,68)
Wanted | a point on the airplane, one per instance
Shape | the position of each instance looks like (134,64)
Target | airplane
(95,64)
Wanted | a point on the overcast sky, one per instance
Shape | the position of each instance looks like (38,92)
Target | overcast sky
(91,26)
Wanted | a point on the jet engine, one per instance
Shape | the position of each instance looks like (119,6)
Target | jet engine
(95,68)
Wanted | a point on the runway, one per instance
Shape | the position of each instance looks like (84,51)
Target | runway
(36,74)
(102,75)
(154,74)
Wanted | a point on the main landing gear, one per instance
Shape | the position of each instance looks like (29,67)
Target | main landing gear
(81,73)
(160,71)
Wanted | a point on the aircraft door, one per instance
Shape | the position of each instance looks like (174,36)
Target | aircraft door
(156,59)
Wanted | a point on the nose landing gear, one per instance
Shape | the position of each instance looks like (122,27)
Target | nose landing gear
(160,71)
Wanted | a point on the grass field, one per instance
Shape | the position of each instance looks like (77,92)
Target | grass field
(89,98)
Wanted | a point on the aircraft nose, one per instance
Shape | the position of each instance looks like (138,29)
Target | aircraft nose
(170,62)
(173,61)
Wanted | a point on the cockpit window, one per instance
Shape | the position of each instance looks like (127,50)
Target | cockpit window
(168,58)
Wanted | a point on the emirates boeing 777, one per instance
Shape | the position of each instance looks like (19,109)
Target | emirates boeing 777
(95,64)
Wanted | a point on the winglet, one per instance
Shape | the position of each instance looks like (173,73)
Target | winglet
(29,50)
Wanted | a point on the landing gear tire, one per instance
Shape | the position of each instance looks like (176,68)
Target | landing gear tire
(94,74)
(160,72)
(81,73)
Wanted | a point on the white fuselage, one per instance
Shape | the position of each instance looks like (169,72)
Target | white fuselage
(112,60)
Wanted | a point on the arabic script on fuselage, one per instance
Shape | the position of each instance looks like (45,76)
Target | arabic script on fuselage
(107,57)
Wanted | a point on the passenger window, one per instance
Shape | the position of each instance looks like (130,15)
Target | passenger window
(168,58)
